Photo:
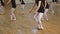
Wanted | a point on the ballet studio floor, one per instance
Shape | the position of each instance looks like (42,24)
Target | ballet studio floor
(25,24)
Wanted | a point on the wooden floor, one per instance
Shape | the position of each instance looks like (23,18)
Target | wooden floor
(25,24)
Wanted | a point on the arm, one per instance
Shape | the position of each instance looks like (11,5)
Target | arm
(45,4)
(39,4)
(32,8)
(8,1)
(35,13)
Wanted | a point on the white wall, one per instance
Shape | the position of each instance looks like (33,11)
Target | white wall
(30,1)
(17,1)
(26,1)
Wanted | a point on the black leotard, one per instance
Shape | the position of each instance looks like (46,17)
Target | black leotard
(47,6)
(2,3)
(41,9)
(22,2)
(53,0)
(13,3)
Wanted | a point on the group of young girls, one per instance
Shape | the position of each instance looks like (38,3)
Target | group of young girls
(41,9)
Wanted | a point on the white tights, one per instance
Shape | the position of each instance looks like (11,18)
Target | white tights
(45,14)
(38,18)
(12,15)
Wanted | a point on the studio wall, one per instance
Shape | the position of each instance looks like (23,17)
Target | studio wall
(30,1)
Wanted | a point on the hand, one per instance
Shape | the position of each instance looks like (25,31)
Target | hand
(35,12)
(30,11)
